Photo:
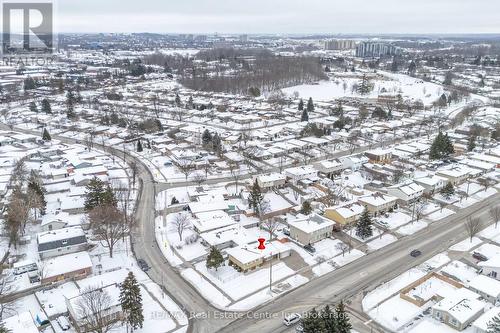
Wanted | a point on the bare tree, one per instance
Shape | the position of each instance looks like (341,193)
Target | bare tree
(108,225)
(185,167)
(484,182)
(472,226)
(134,171)
(180,223)
(495,214)
(343,247)
(199,178)
(92,309)
(419,209)
(6,287)
(234,168)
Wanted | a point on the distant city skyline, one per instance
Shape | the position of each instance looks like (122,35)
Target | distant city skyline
(280,16)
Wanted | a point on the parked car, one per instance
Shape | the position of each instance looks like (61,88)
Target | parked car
(286,232)
(309,248)
(63,322)
(143,264)
(479,256)
(415,253)
(291,319)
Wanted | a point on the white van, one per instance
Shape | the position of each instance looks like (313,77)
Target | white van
(291,319)
(24,266)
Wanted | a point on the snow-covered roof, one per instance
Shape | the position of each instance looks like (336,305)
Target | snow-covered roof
(482,322)
(311,224)
(377,199)
(462,305)
(67,263)
(211,220)
(21,323)
(60,234)
(247,253)
(486,285)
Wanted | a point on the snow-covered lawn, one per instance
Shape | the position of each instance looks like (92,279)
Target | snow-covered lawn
(465,202)
(382,241)
(485,194)
(440,214)
(490,232)
(391,287)
(412,228)
(395,312)
(231,281)
(394,220)
(466,244)
(460,271)
(205,288)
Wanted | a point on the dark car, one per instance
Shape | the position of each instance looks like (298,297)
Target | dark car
(309,248)
(415,253)
(479,256)
(143,264)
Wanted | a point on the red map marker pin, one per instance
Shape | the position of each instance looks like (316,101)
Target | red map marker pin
(261,244)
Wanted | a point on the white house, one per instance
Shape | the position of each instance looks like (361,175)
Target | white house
(329,167)
(481,324)
(406,192)
(353,162)
(311,229)
(431,184)
(297,174)
(491,267)
(459,309)
(487,287)
(61,241)
(271,180)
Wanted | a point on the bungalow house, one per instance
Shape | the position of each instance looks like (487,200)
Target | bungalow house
(487,287)
(112,312)
(248,257)
(491,267)
(406,192)
(271,180)
(329,167)
(73,205)
(431,184)
(459,310)
(378,202)
(53,222)
(211,220)
(62,241)
(311,229)
(69,266)
(297,174)
(379,155)
(345,214)
(481,324)
(455,175)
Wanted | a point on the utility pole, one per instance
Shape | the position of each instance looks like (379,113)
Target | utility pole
(271,273)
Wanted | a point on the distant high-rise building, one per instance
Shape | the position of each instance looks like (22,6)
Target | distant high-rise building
(339,44)
(244,38)
(376,49)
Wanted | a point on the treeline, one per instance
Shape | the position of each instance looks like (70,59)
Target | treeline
(265,73)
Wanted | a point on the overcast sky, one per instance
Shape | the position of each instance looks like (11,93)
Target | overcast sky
(279,16)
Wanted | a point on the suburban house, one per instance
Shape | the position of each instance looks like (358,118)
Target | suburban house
(353,162)
(329,167)
(487,287)
(491,267)
(345,214)
(406,192)
(481,324)
(378,202)
(248,257)
(211,220)
(113,313)
(431,184)
(297,174)
(52,222)
(62,241)
(455,175)
(310,229)
(69,266)
(379,155)
(459,310)
(271,180)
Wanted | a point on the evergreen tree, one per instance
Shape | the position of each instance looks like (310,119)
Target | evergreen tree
(494,325)
(343,324)
(256,197)
(46,106)
(448,78)
(471,144)
(131,301)
(214,258)
(139,146)
(35,186)
(448,146)
(4,329)
(206,138)
(329,319)
(97,193)
(216,143)
(310,105)
(312,322)
(306,208)
(33,107)
(46,135)
(304,116)
(301,105)
(364,226)
(177,100)
(364,87)
(448,190)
